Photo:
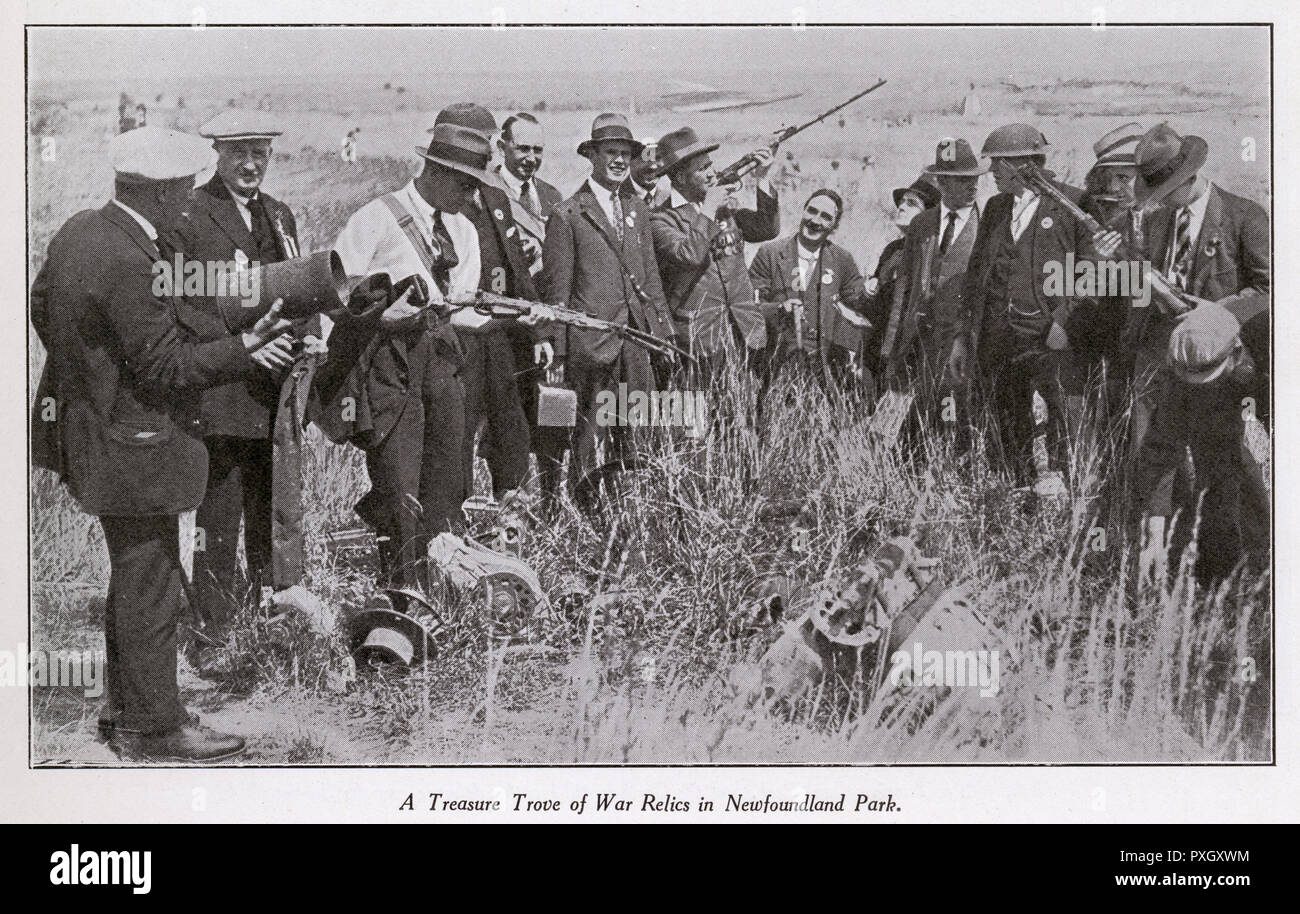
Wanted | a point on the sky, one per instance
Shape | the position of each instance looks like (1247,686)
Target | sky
(57,53)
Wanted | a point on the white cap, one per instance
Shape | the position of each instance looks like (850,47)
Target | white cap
(232,124)
(157,154)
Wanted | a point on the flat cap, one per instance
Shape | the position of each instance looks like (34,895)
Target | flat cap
(158,154)
(233,124)
(1201,346)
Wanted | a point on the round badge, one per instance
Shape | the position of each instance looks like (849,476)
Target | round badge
(510,232)
(1047,222)
(631,222)
(828,277)
(498,214)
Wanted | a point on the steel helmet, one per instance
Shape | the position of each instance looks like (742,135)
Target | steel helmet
(1015,140)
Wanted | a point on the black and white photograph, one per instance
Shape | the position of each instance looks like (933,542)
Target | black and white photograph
(568,394)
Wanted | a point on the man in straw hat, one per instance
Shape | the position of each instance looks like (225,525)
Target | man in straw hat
(599,258)
(402,402)
(936,250)
(699,238)
(1214,246)
(253,445)
(1008,324)
(117,417)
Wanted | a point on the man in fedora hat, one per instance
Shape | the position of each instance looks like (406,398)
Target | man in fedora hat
(401,400)
(927,296)
(599,258)
(1214,246)
(699,236)
(117,418)
(812,295)
(254,446)
(1007,323)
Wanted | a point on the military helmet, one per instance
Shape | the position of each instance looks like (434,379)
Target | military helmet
(1015,140)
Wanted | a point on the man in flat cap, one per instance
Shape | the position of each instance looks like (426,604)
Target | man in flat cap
(1214,246)
(117,418)
(401,400)
(599,258)
(699,237)
(254,446)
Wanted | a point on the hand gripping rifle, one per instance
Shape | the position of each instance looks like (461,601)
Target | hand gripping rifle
(1169,299)
(748,162)
(501,306)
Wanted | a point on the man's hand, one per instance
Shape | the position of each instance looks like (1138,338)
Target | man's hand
(539,317)
(791,304)
(543,354)
(872,284)
(555,372)
(765,160)
(314,345)
(400,315)
(268,327)
(958,360)
(719,199)
(1057,338)
(1153,557)
(1106,243)
(532,250)
(276,355)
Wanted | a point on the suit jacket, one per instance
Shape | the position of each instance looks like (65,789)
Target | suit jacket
(124,369)
(533,224)
(1053,234)
(517,283)
(213,230)
(929,286)
(1231,257)
(582,269)
(774,272)
(705,280)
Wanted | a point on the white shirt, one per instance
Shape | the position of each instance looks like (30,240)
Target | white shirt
(963,215)
(241,204)
(140,220)
(807,264)
(605,198)
(372,242)
(1022,211)
(675,200)
(1197,210)
(515,188)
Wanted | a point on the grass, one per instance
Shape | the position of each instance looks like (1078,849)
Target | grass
(636,659)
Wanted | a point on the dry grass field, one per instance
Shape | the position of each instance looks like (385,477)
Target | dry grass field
(634,667)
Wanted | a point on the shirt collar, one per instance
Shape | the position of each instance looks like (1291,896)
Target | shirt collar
(241,199)
(962,214)
(513,184)
(1197,206)
(140,220)
(419,205)
(802,252)
(675,200)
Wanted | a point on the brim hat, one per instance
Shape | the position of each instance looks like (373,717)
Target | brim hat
(234,125)
(467,114)
(1165,161)
(1203,344)
(956,158)
(610,127)
(158,154)
(1119,147)
(680,146)
(461,148)
(923,188)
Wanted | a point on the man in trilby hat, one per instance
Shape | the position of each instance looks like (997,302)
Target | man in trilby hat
(699,236)
(401,400)
(117,418)
(599,258)
(1214,246)
(253,430)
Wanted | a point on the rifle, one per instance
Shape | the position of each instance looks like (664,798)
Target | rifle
(1168,299)
(747,163)
(501,306)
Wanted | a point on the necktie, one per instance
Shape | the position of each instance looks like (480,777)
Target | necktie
(948,231)
(618,216)
(268,250)
(444,254)
(1179,266)
(526,196)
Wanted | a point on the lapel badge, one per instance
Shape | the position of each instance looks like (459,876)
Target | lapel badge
(500,215)
(828,276)
(630,220)
(1212,246)
(1047,222)
(510,232)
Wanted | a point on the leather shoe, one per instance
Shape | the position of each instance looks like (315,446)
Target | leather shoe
(192,742)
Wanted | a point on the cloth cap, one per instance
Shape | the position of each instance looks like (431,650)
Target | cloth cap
(1201,346)
(159,154)
(232,124)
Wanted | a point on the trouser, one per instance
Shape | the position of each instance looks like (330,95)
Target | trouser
(940,403)
(492,397)
(144,598)
(239,485)
(598,426)
(1207,419)
(1010,380)
(417,473)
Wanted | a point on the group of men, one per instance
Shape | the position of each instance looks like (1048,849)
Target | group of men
(166,403)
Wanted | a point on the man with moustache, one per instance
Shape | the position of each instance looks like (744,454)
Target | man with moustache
(522,143)
(254,447)
(812,294)
(927,297)
(401,400)
(647,178)
(699,237)
(599,258)
(117,418)
(1007,324)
